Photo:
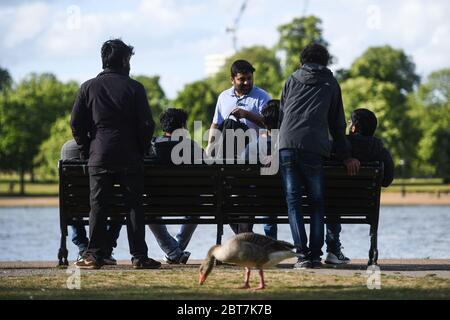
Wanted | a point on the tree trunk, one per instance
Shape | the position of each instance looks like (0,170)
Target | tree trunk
(22,181)
(32,174)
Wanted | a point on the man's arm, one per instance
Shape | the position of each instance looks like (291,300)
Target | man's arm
(79,124)
(211,130)
(388,176)
(284,94)
(337,125)
(251,116)
(145,123)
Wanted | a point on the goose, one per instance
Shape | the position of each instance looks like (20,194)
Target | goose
(249,250)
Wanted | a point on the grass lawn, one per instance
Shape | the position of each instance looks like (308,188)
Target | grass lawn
(181,283)
(51,188)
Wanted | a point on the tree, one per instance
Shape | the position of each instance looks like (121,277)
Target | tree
(26,115)
(295,36)
(388,104)
(268,75)
(50,150)
(156,96)
(198,99)
(5,79)
(388,65)
(431,110)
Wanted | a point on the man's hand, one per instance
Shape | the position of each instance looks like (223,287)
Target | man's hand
(352,165)
(239,113)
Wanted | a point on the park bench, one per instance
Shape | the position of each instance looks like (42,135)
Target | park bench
(224,194)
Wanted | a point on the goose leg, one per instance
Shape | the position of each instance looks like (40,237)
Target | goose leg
(262,284)
(246,279)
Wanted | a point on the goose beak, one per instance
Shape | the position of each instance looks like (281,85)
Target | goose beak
(201,278)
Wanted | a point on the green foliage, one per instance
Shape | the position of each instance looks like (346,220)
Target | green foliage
(389,106)
(26,114)
(431,111)
(5,79)
(268,75)
(156,97)
(198,99)
(386,64)
(50,149)
(295,36)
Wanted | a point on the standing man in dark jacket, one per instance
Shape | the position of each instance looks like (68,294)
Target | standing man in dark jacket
(111,120)
(311,108)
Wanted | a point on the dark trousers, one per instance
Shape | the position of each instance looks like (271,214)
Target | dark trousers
(102,181)
(241,227)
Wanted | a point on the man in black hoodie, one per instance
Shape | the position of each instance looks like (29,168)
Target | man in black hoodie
(364,147)
(112,122)
(311,108)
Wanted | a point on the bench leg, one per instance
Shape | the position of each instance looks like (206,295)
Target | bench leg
(373,252)
(219,239)
(63,252)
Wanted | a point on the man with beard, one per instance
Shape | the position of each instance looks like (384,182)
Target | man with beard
(112,123)
(244,101)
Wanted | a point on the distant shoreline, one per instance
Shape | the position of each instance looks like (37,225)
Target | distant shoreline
(387,199)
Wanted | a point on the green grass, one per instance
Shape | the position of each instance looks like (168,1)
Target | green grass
(181,283)
(50,188)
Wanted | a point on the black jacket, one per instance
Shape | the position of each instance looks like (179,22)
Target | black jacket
(366,148)
(311,106)
(161,150)
(111,119)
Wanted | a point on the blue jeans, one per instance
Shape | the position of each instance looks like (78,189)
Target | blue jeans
(271,230)
(303,171)
(80,239)
(332,239)
(173,248)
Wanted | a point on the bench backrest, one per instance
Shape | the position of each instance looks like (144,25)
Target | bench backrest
(225,194)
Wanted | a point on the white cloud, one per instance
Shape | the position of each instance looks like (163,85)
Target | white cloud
(172,37)
(27,21)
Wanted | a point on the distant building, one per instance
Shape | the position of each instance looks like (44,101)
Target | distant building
(213,62)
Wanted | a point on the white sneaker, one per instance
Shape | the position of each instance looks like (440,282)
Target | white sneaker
(337,258)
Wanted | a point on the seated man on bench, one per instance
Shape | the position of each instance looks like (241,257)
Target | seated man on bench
(364,147)
(171,120)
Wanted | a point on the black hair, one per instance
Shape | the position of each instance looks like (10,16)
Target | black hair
(315,53)
(364,121)
(173,119)
(114,52)
(271,113)
(241,66)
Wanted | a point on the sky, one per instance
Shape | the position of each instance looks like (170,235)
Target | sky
(172,37)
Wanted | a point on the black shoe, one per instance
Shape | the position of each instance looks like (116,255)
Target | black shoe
(146,263)
(303,262)
(110,261)
(337,257)
(316,263)
(181,260)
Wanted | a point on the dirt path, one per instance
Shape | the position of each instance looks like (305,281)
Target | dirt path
(409,267)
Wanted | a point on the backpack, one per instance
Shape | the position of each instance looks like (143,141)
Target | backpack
(232,124)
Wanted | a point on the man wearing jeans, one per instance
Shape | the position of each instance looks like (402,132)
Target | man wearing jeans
(173,119)
(311,108)
(112,122)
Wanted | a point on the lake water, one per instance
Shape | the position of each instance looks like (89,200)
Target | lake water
(405,232)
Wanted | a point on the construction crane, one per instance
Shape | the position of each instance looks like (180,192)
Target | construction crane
(234,28)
